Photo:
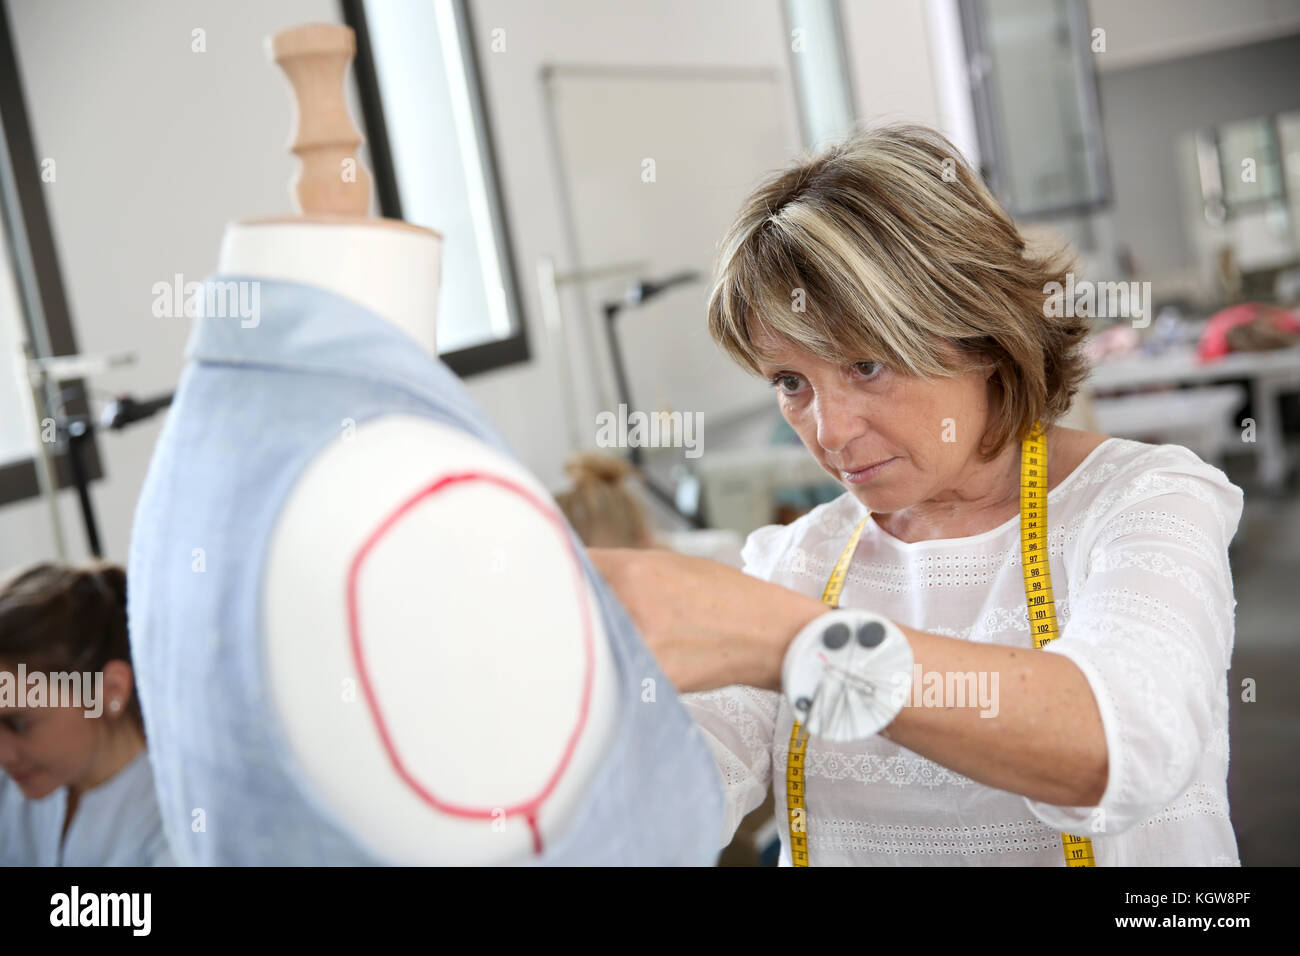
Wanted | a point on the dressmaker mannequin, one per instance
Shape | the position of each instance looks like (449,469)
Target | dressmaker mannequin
(470,614)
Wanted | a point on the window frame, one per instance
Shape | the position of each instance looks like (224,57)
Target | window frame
(37,275)
(491,355)
(989,127)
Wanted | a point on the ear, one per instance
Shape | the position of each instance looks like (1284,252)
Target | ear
(119,684)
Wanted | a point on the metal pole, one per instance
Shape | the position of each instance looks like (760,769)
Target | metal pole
(45,479)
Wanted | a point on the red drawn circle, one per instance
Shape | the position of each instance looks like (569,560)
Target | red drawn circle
(530,806)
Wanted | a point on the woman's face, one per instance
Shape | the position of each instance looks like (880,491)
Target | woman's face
(45,748)
(859,413)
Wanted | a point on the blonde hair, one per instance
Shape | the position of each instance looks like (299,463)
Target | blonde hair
(887,247)
(600,506)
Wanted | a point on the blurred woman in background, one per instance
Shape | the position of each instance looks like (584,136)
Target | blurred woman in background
(76,787)
(600,506)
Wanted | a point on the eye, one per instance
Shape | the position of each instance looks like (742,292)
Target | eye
(16,724)
(869,369)
(777,379)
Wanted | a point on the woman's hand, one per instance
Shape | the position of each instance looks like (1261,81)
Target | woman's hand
(708,624)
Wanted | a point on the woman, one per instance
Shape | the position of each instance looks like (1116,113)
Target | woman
(905,329)
(600,506)
(76,788)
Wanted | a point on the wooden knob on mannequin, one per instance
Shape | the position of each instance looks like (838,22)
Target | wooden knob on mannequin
(330,180)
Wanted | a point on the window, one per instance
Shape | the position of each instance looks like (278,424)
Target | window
(1243,167)
(1032,81)
(433,163)
(1251,163)
(820,69)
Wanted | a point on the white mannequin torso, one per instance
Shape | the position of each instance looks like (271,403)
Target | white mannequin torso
(480,704)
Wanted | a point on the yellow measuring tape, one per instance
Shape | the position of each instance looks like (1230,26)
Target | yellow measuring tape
(1039,604)
(794,779)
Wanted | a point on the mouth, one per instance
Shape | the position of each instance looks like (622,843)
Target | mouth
(867,472)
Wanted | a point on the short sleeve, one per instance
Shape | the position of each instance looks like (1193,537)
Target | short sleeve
(764,548)
(739,722)
(1151,628)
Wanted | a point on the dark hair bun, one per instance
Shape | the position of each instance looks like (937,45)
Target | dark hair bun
(59,617)
(113,578)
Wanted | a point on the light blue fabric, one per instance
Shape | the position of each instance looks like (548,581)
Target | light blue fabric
(115,824)
(256,403)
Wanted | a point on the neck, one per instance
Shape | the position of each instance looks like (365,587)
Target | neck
(390,268)
(983,495)
(121,745)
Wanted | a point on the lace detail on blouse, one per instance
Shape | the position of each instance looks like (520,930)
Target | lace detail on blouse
(899,769)
(981,840)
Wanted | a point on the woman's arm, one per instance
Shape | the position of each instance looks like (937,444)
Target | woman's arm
(1045,738)
(710,625)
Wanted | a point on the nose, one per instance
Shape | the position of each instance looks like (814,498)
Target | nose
(838,424)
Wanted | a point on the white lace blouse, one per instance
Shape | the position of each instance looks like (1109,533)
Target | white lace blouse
(1138,537)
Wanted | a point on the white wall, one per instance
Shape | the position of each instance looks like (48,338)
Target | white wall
(890,64)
